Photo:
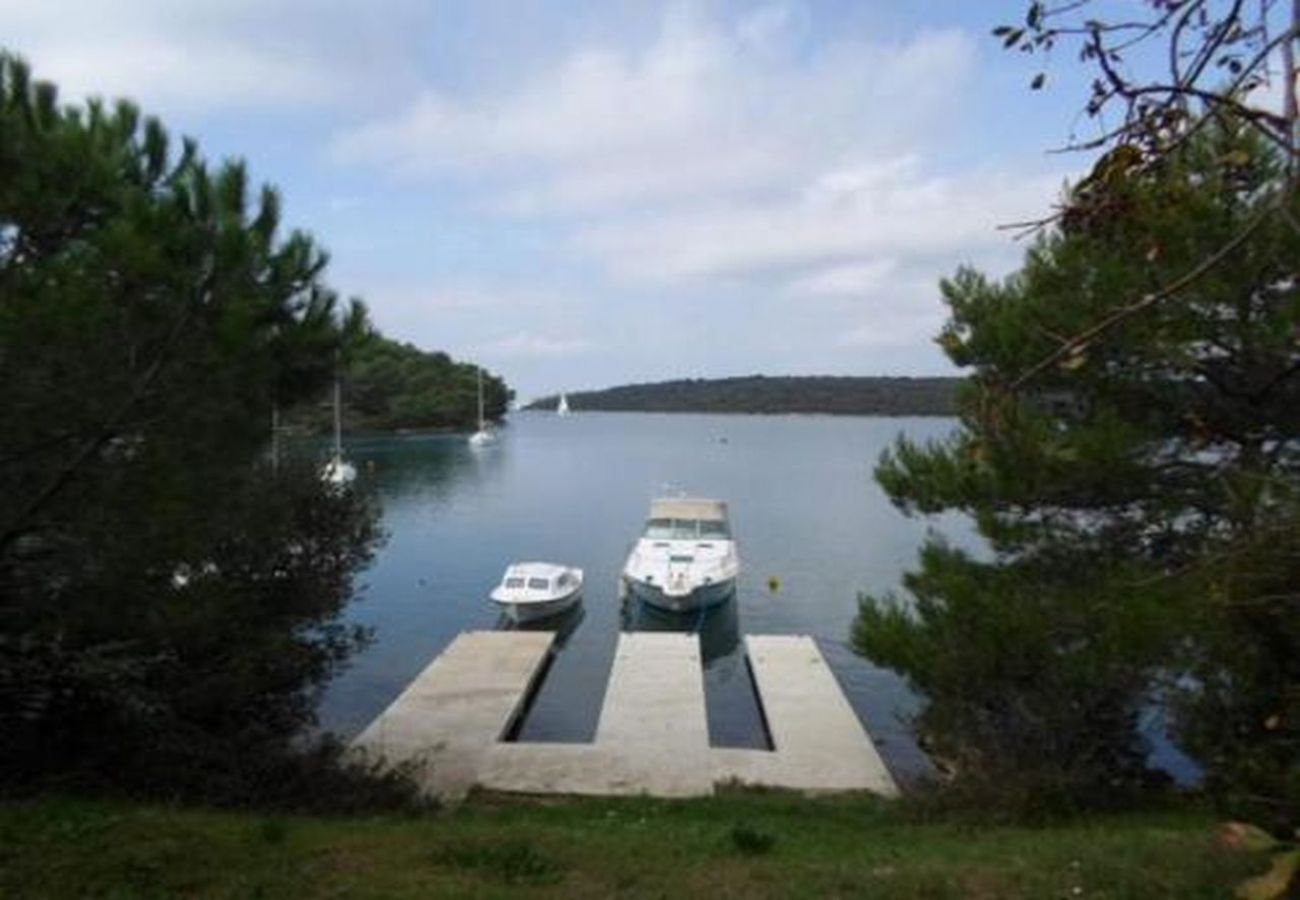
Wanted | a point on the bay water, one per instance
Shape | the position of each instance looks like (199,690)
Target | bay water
(813,529)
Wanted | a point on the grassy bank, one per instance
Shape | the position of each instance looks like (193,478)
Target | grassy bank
(733,846)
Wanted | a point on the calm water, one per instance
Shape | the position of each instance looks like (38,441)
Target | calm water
(575,490)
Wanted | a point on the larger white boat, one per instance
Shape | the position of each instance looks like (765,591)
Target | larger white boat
(685,559)
(562,408)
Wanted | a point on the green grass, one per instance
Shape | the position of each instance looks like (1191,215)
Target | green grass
(736,845)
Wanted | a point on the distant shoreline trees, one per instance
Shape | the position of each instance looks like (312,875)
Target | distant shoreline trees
(835,395)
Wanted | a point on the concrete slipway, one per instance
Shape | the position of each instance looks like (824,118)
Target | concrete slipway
(652,737)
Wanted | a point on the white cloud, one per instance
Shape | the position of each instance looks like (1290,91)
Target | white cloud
(702,111)
(843,216)
(907,314)
(852,280)
(493,318)
(795,185)
(200,73)
(731,169)
(341,203)
(432,311)
(204,55)
(526,345)
(468,294)
(711,152)
(775,29)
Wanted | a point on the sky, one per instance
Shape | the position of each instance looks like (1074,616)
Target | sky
(580,194)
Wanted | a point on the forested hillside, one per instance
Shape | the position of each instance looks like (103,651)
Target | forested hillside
(387,384)
(848,395)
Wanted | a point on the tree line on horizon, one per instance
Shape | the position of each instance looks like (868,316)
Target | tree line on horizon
(830,394)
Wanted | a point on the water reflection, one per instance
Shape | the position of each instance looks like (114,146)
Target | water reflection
(563,623)
(718,626)
(574,490)
(426,467)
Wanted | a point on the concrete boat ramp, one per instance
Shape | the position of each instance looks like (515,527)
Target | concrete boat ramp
(449,725)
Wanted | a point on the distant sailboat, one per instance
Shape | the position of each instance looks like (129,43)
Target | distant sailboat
(563,408)
(338,471)
(484,435)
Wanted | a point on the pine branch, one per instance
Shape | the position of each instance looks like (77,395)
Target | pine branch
(1083,339)
(95,444)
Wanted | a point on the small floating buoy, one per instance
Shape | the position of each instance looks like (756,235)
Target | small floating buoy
(773,583)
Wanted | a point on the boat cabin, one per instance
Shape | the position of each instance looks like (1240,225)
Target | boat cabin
(688,520)
(542,583)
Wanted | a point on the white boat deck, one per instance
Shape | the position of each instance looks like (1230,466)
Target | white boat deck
(652,736)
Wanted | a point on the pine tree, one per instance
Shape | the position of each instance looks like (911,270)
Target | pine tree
(1138,494)
(168,604)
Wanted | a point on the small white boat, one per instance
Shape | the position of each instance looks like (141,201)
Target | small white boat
(562,408)
(686,559)
(484,435)
(535,590)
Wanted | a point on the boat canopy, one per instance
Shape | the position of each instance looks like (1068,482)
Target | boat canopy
(687,519)
(689,508)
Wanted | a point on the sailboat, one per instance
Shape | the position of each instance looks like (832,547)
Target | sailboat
(562,408)
(484,434)
(338,472)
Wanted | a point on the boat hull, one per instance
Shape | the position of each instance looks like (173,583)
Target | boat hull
(539,609)
(702,597)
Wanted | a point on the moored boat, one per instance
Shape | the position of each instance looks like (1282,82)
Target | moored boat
(338,473)
(484,434)
(536,590)
(686,558)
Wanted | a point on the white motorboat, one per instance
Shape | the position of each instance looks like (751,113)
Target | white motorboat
(562,408)
(484,435)
(536,590)
(686,559)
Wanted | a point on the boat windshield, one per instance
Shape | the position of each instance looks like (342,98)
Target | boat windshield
(514,582)
(686,529)
(714,529)
(538,584)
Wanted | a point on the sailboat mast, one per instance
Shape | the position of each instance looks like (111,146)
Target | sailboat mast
(275,437)
(338,420)
(481,423)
